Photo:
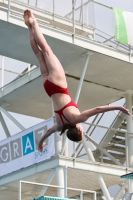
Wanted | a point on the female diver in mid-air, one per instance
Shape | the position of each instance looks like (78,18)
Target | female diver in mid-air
(67,113)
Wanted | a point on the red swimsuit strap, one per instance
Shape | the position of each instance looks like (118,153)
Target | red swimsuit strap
(60,112)
(61,116)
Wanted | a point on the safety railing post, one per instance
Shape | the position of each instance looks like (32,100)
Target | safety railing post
(36,3)
(87,17)
(73,11)
(81,195)
(19,192)
(82,11)
(95,195)
(53,9)
(8,13)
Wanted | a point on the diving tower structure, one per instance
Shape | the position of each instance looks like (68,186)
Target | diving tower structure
(97,73)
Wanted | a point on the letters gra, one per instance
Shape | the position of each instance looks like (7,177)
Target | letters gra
(21,146)
(21,150)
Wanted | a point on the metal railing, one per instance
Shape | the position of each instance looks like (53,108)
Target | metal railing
(33,185)
(77,12)
(81,12)
(16,76)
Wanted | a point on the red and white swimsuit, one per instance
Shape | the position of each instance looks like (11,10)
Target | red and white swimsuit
(51,89)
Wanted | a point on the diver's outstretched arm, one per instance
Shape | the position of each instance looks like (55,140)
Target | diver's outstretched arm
(88,113)
(53,129)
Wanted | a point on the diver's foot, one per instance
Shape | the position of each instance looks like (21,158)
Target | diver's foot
(29,18)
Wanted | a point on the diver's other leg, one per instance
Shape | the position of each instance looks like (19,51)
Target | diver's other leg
(56,72)
(37,51)
(39,55)
(31,20)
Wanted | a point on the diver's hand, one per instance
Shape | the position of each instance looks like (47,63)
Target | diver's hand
(124,110)
(41,145)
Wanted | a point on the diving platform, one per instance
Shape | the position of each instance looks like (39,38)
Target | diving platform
(82,176)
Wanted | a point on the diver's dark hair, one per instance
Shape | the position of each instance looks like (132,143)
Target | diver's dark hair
(73,133)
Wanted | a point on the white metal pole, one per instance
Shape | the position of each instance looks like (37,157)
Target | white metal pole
(53,9)
(81,12)
(58,144)
(129,127)
(124,195)
(103,186)
(87,149)
(64,145)
(80,15)
(19,192)
(128,96)
(82,9)
(81,195)
(28,67)
(126,151)
(87,16)
(73,11)
(80,86)
(74,150)
(48,181)
(100,179)
(36,3)
(4,126)
(8,14)
(60,181)
(120,191)
(65,181)
(2,74)
(12,118)
(95,196)
(82,78)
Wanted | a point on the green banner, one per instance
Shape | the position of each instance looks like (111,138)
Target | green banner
(120,26)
